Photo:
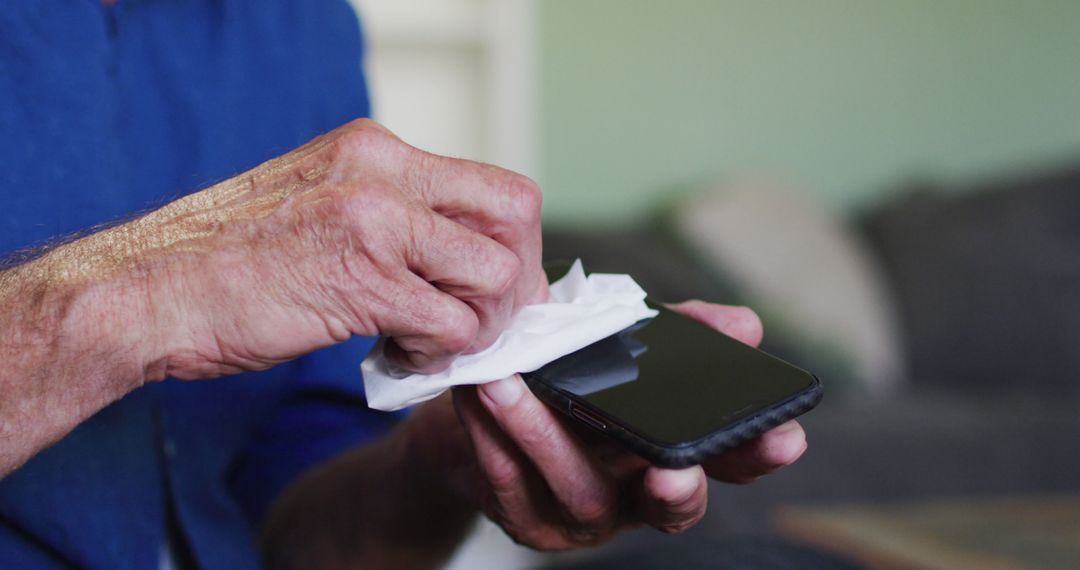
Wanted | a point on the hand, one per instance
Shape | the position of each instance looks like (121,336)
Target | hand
(553,486)
(548,484)
(355,233)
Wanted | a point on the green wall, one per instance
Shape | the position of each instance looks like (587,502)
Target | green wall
(842,98)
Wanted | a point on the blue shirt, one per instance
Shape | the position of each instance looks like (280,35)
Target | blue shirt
(109,112)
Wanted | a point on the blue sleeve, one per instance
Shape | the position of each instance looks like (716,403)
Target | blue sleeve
(322,414)
(322,411)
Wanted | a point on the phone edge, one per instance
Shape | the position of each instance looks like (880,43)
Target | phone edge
(686,454)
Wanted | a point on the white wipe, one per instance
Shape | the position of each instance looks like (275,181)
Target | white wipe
(582,310)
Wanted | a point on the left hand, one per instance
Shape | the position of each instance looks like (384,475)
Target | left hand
(554,486)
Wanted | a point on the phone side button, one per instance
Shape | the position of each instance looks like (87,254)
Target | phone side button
(587,417)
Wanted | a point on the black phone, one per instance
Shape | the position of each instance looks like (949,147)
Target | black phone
(674,390)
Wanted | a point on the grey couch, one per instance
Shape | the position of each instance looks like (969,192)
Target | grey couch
(988,284)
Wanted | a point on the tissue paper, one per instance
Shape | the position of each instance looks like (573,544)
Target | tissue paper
(582,310)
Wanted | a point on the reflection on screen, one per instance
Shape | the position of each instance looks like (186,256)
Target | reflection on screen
(601,365)
(673,378)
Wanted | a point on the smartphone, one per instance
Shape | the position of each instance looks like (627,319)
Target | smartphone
(674,390)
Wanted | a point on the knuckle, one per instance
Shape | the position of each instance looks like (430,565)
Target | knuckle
(503,474)
(538,430)
(453,327)
(365,137)
(364,130)
(524,198)
(594,511)
(505,269)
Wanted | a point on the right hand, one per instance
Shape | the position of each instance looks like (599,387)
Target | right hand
(355,233)
(552,483)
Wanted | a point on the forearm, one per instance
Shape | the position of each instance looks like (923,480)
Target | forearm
(93,319)
(72,342)
(384,505)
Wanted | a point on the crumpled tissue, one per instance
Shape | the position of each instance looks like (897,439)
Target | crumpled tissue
(582,310)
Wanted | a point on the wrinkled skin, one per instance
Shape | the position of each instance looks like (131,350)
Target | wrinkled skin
(356,233)
(554,485)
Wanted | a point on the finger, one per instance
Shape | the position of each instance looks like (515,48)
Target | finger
(673,500)
(740,323)
(427,328)
(470,266)
(495,202)
(580,488)
(773,450)
(606,452)
(512,496)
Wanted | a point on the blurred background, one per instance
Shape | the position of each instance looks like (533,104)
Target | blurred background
(893,186)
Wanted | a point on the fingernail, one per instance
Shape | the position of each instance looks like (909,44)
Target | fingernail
(505,392)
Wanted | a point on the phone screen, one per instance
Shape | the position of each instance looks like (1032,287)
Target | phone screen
(672,379)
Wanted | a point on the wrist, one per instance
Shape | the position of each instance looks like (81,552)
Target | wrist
(437,456)
(160,267)
(94,302)
(434,478)
(382,505)
(77,337)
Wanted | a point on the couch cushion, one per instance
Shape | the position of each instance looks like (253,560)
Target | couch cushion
(988,282)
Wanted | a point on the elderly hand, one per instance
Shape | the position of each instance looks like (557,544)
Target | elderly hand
(553,486)
(355,233)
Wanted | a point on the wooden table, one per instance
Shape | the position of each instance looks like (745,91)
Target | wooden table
(984,534)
